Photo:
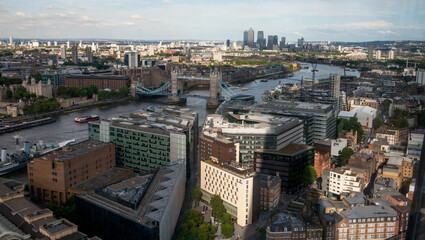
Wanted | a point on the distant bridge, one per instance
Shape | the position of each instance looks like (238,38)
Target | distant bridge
(173,88)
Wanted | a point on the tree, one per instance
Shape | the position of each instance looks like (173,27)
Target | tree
(354,125)
(345,155)
(227,229)
(9,94)
(196,193)
(37,76)
(218,208)
(309,175)
(377,122)
(62,91)
(206,231)
(124,91)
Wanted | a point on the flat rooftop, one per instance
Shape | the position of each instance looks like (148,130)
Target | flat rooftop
(370,211)
(290,149)
(294,106)
(74,150)
(102,179)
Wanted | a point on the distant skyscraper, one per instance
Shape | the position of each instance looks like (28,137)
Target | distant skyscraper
(391,54)
(228,43)
(260,36)
(89,54)
(67,44)
(63,51)
(245,37)
(370,52)
(251,37)
(132,59)
(49,43)
(275,40)
(80,45)
(270,42)
(55,43)
(11,41)
(74,51)
(282,42)
(301,42)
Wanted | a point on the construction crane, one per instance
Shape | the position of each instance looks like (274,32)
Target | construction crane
(314,70)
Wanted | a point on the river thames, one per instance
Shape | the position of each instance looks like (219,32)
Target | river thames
(65,128)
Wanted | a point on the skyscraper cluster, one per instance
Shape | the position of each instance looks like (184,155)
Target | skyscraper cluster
(271,43)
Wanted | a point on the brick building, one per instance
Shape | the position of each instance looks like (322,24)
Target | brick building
(52,175)
(113,82)
(270,192)
(216,145)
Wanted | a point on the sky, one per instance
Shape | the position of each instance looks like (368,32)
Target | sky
(315,20)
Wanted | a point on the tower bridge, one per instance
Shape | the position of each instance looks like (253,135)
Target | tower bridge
(173,88)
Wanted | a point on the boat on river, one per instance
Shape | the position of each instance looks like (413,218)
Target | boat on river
(87,119)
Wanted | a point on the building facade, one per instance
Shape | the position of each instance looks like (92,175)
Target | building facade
(342,180)
(236,185)
(288,162)
(150,139)
(51,175)
(113,82)
(270,192)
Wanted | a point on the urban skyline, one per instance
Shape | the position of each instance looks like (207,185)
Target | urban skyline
(314,20)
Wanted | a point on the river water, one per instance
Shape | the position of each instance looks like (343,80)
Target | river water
(65,128)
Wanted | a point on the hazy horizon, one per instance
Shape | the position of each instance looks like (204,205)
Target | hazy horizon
(315,20)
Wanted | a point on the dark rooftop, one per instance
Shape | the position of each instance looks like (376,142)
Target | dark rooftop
(102,179)
(72,151)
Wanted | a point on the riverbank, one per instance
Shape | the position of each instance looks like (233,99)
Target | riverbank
(74,108)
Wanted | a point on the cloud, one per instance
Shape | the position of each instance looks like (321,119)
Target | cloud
(298,34)
(357,25)
(54,7)
(386,32)
(166,1)
(136,16)
(115,5)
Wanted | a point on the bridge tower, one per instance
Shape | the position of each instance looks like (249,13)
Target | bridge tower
(176,87)
(133,90)
(215,90)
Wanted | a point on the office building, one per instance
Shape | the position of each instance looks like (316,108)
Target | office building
(89,54)
(11,41)
(342,180)
(288,162)
(319,119)
(131,59)
(326,153)
(141,207)
(112,82)
(261,40)
(335,88)
(270,191)
(370,52)
(416,225)
(255,131)
(378,54)
(22,219)
(74,52)
(63,51)
(269,42)
(363,162)
(391,54)
(245,38)
(228,43)
(251,37)
(218,146)
(150,139)
(51,175)
(420,77)
(282,43)
(368,222)
(394,135)
(301,42)
(237,185)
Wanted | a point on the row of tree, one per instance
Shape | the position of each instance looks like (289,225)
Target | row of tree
(41,106)
(194,227)
(123,92)
(6,81)
(77,91)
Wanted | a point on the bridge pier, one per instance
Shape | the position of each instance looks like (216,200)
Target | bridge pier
(215,91)
(176,88)
(133,90)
